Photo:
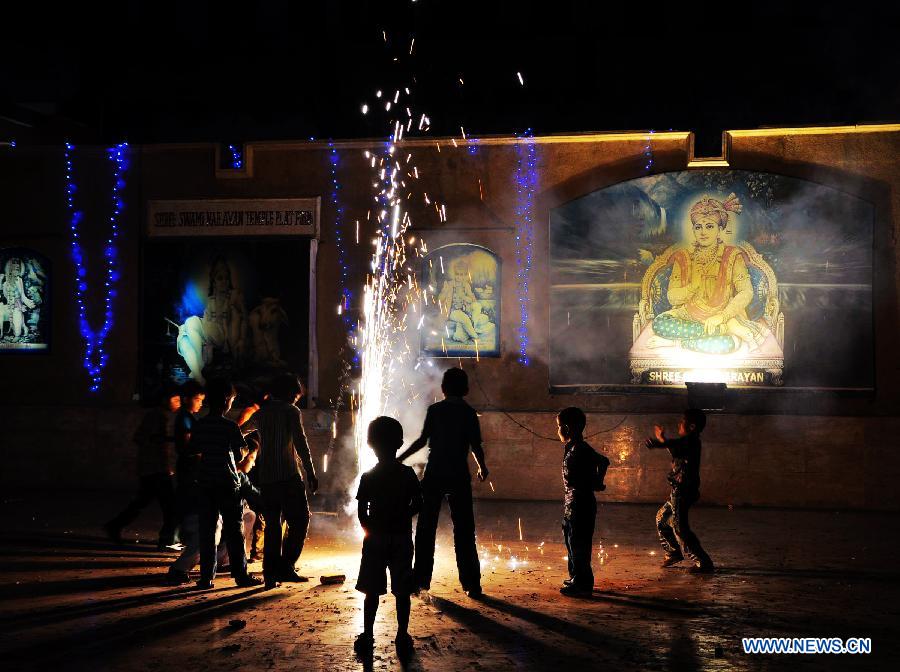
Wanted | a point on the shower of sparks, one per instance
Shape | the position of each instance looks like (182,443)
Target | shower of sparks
(492,486)
(521,81)
(392,292)
(325,463)
(520,529)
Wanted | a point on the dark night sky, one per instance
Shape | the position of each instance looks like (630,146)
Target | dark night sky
(185,71)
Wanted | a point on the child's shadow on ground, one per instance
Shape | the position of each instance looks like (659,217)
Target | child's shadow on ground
(520,644)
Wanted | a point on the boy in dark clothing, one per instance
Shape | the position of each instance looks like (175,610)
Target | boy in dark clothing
(192,397)
(389,496)
(186,492)
(582,472)
(155,469)
(675,532)
(451,430)
(219,442)
(179,571)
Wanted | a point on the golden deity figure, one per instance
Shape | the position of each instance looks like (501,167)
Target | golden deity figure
(709,289)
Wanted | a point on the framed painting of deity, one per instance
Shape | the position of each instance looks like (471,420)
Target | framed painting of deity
(461,304)
(747,278)
(24,301)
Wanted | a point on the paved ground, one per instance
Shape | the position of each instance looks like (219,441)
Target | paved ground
(70,600)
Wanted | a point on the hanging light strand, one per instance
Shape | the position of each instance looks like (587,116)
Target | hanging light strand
(526,184)
(237,157)
(346,294)
(648,152)
(95,356)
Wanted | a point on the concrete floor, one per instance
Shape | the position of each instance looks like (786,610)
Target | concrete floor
(70,600)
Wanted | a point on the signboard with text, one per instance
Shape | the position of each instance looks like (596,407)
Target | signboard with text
(233,217)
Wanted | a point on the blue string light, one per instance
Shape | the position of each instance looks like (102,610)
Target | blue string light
(95,357)
(237,158)
(346,295)
(648,152)
(526,184)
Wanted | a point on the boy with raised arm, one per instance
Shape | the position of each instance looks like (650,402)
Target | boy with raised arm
(451,431)
(675,534)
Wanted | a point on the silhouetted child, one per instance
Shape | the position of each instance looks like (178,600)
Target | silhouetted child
(451,430)
(389,496)
(675,532)
(156,469)
(583,470)
(219,442)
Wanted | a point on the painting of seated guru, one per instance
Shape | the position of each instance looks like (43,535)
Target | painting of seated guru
(715,276)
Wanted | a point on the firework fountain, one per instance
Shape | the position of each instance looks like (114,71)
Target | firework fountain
(392,297)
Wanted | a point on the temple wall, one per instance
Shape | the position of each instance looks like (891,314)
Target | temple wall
(768,448)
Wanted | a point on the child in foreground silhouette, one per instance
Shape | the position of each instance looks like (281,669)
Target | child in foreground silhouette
(389,496)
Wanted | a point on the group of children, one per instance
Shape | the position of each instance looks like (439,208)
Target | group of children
(390,496)
(213,460)
(217,476)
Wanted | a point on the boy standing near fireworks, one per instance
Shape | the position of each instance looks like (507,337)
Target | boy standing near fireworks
(389,496)
(451,430)
(675,532)
(583,471)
